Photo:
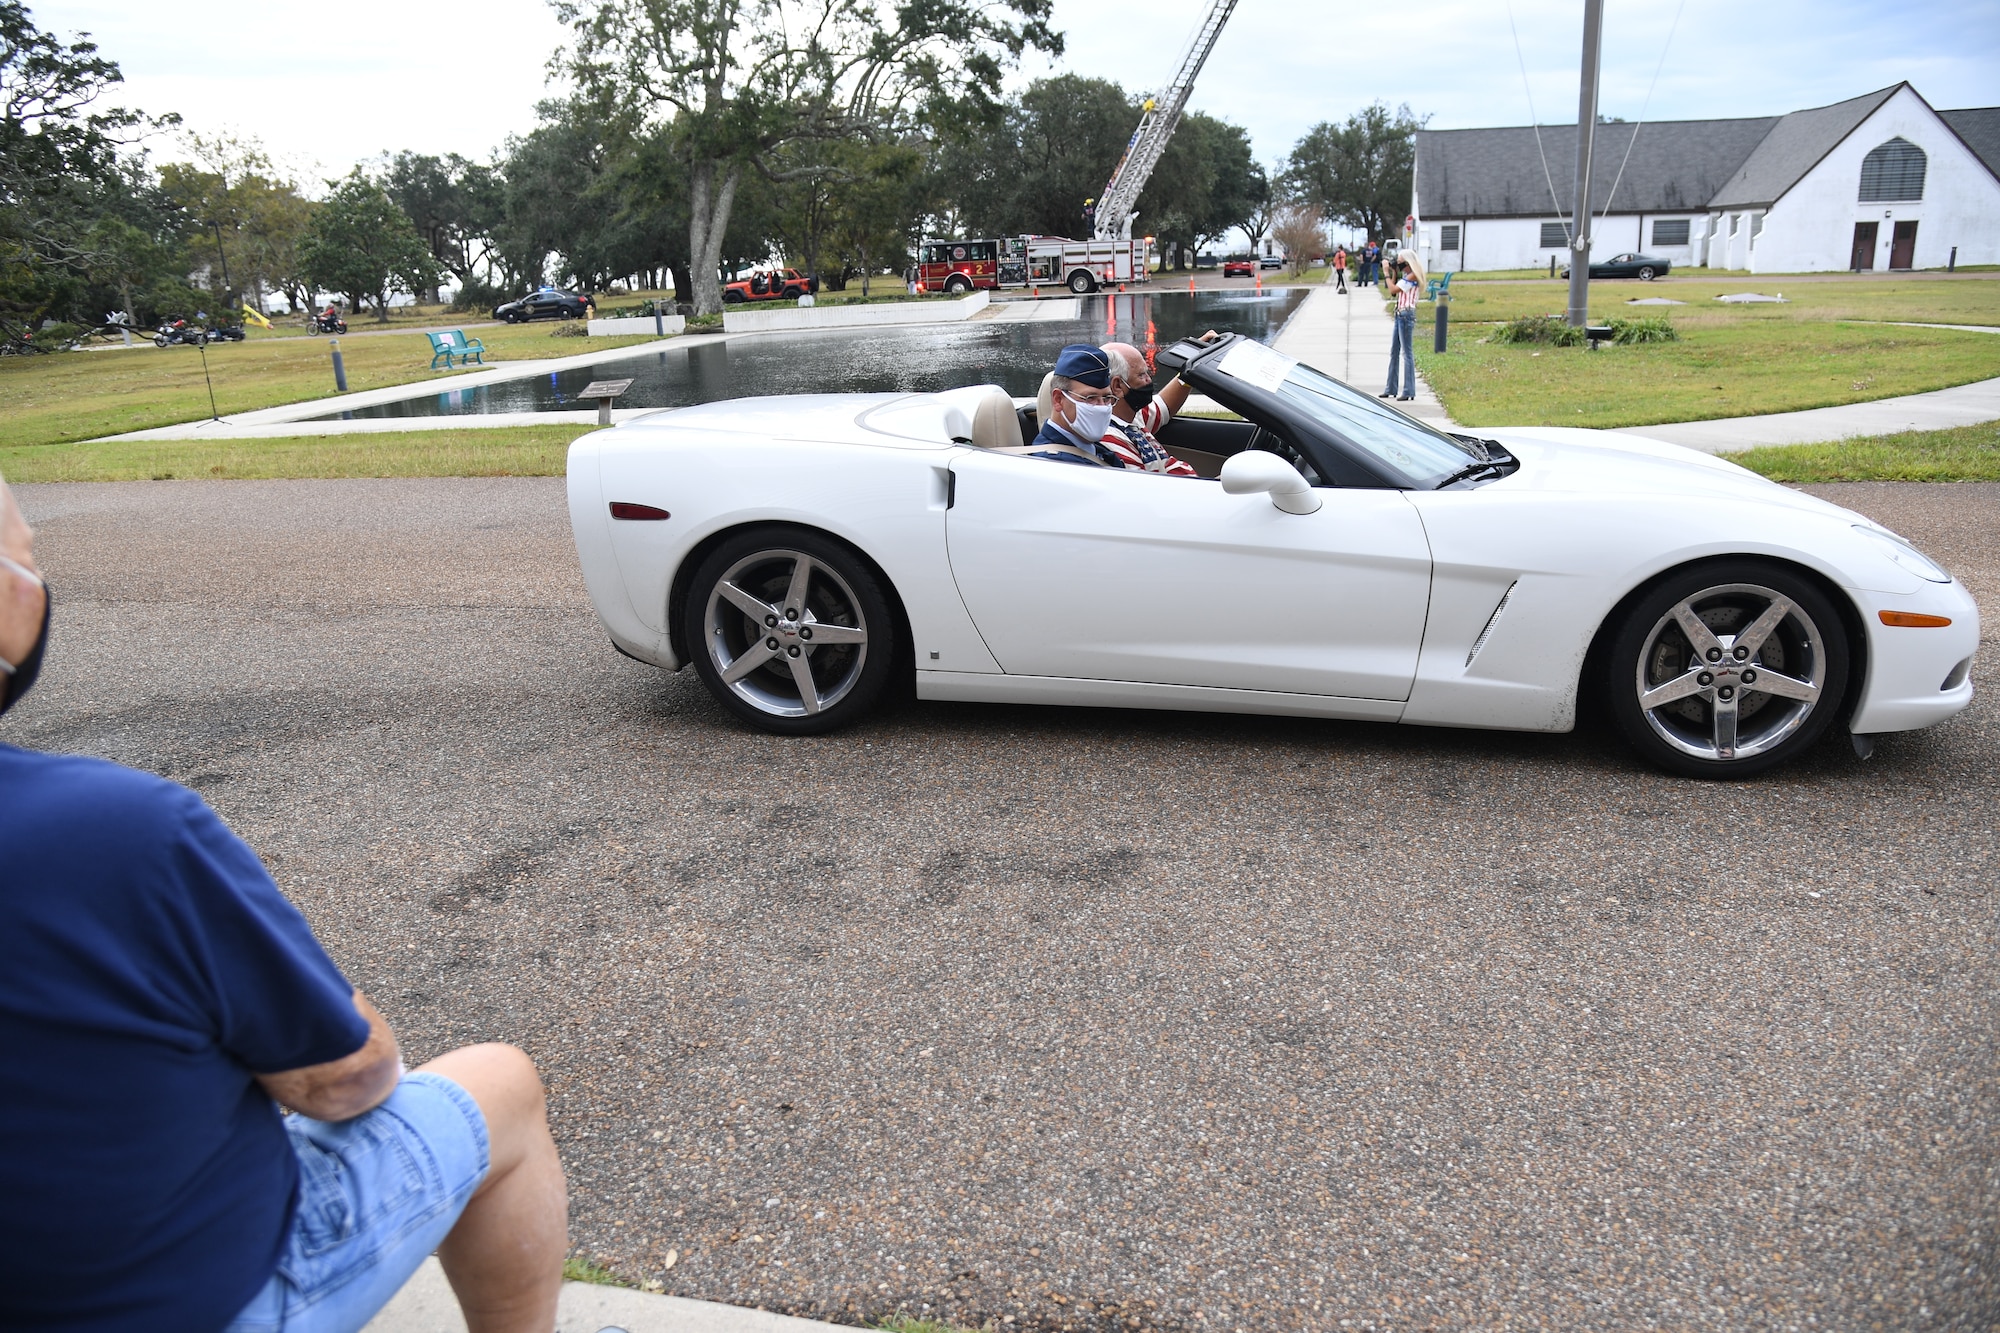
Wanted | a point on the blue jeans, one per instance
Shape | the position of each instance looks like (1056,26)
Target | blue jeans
(1404,343)
(376,1195)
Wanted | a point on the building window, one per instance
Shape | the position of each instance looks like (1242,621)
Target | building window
(1555,236)
(1735,221)
(1893,173)
(1756,227)
(1674,232)
(1448,236)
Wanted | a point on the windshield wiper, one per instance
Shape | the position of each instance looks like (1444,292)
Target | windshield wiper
(1470,471)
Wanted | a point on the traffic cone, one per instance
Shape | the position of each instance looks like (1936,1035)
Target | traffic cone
(1190,284)
(1260,284)
(1121,289)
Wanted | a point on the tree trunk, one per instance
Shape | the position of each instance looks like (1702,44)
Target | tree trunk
(709,206)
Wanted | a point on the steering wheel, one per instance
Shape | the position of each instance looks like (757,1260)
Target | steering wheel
(1272,443)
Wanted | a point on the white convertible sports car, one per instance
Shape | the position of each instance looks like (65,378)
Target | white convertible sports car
(1343,560)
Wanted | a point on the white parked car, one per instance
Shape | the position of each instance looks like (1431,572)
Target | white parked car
(1347,561)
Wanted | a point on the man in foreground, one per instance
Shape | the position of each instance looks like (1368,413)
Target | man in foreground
(1080,403)
(159,998)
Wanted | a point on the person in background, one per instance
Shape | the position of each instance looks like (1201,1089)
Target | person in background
(1340,269)
(1371,264)
(1403,340)
(160,999)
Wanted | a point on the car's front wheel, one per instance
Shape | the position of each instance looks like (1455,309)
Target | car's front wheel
(1082,283)
(956,285)
(1728,669)
(790,631)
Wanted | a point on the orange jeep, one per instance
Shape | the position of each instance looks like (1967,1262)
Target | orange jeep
(769,285)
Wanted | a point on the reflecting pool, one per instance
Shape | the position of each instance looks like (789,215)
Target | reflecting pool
(1012,353)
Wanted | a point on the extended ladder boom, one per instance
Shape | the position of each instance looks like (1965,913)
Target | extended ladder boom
(1156,126)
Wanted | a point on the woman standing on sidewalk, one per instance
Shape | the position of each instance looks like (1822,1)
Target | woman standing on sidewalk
(1408,284)
(1340,269)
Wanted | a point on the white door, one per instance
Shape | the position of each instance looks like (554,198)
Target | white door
(1097,574)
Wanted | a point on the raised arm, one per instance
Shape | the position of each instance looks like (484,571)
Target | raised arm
(344,1088)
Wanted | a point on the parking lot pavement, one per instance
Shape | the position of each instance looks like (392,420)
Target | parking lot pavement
(1092,1020)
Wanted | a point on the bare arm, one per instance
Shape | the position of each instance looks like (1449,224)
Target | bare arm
(344,1088)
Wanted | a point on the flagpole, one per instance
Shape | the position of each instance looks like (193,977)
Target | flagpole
(1586,133)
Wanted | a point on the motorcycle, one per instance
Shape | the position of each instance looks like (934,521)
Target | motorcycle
(179,331)
(328,324)
(227,333)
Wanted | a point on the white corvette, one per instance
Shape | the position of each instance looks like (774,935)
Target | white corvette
(1346,561)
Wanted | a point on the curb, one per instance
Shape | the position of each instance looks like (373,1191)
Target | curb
(426,1305)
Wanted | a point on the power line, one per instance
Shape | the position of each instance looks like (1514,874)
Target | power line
(1519,59)
(1643,107)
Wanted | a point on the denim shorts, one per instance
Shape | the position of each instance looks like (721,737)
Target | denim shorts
(376,1195)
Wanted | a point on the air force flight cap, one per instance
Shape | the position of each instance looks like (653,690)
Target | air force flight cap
(1084,364)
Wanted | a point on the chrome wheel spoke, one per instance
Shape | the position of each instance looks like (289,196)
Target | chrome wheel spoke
(808,688)
(1680,687)
(753,657)
(1698,634)
(744,602)
(1788,687)
(1752,636)
(825,635)
(795,595)
(1725,728)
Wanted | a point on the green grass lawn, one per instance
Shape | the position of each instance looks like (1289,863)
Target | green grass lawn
(1720,369)
(507,451)
(1967,453)
(1476,298)
(82,395)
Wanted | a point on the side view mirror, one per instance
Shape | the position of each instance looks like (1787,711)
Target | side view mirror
(1254,470)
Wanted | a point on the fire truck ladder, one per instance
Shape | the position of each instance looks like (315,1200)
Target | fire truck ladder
(1156,126)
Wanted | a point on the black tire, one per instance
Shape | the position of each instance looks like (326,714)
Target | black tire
(1646,273)
(160,340)
(1714,715)
(1082,283)
(733,298)
(956,285)
(840,593)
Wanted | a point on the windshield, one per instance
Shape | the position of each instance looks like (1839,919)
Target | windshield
(1423,455)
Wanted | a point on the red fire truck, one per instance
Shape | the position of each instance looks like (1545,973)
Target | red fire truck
(1024,261)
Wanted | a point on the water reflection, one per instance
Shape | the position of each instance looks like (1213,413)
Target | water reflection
(1012,354)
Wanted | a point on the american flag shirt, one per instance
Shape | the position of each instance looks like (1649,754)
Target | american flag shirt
(1132,443)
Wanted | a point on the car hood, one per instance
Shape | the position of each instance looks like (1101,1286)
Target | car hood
(1602,462)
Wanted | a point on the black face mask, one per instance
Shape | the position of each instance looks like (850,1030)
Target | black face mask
(14,686)
(1138,396)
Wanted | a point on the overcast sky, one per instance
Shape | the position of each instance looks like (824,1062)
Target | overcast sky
(324,85)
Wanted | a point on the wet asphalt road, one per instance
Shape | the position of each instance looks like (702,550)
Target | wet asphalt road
(1088,1020)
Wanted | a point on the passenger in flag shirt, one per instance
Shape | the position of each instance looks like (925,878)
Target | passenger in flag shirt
(1142,411)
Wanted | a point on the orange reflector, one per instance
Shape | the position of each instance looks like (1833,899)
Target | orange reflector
(1913,620)
(627,510)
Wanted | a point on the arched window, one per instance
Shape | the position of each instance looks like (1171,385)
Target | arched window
(1892,173)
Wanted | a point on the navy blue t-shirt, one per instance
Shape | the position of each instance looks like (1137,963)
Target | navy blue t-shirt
(147,966)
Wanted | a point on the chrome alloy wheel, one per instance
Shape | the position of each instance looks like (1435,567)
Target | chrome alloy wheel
(785,633)
(1731,671)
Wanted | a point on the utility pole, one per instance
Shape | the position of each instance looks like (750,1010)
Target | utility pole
(1586,132)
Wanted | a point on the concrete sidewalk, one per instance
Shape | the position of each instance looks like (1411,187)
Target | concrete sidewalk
(1348,336)
(426,1305)
(1965,405)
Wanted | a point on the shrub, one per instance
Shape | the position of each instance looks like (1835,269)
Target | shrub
(1657,329)
(1540,329)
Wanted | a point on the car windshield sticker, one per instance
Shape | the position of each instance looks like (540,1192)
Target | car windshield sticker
(1256,364)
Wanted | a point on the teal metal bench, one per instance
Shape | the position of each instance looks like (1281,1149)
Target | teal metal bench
(1439,286)
(455,349)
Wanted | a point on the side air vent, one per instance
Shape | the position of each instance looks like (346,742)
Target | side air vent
(1491,621)
(1957,676)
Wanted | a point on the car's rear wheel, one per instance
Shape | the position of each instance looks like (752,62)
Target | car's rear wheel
(1728,669)
(790,631)
(957,285)
(1646,273)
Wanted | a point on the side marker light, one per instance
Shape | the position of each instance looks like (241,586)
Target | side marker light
(1913,620)
(626,509)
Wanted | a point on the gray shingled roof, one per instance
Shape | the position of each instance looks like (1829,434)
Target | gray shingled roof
(1795,146)
(1675,165)
(1979,126)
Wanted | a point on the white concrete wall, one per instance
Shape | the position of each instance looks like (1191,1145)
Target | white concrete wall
(1811,229)
(1486,244)
(635,324)
(850,316)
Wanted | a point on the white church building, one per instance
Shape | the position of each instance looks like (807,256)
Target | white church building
(1877,182)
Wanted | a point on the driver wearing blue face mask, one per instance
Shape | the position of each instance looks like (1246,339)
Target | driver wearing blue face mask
(1080,403)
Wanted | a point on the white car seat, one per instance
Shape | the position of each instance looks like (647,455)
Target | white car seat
(994,424)
(1045,403)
